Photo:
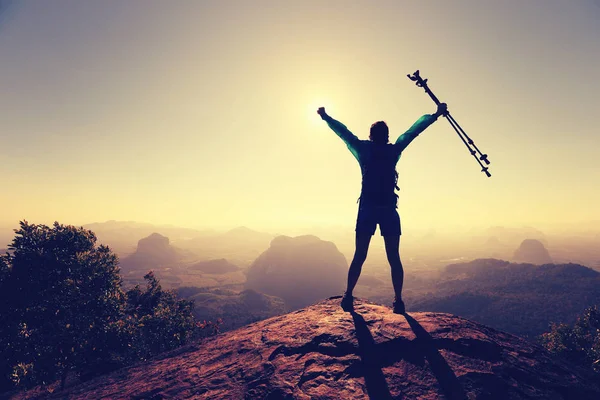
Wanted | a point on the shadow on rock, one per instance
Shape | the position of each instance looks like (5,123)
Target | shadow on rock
(376,356)
(443,373)
(377,387)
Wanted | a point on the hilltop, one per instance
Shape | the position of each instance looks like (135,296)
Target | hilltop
(322,352)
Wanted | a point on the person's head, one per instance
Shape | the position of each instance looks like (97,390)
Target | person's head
(379,132)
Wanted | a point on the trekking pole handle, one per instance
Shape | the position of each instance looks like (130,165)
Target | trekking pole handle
(420,82)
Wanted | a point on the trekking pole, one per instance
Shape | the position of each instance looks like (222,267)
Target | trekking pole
(420,82)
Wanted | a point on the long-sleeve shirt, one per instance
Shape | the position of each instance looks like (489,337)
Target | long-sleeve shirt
(376,187)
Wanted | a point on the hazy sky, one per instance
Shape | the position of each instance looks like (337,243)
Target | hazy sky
(203,113)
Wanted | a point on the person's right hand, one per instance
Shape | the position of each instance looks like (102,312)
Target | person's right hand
(321,112)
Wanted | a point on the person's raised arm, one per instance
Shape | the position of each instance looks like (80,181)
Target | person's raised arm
(340,129)
(419,126)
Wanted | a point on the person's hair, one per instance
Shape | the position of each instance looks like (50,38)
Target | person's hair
(379,132)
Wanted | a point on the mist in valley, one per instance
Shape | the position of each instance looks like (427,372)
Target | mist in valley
(243,275)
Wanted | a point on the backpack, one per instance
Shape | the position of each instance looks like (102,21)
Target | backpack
(379,176)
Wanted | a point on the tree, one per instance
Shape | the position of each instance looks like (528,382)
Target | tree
(63,310)
(162,321)
(58,291)
(580,343)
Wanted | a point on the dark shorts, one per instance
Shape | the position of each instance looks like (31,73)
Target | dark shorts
(387,218)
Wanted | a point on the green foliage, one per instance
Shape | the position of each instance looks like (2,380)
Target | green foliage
(63,310)
(235,308)
(162,321)
(579,343)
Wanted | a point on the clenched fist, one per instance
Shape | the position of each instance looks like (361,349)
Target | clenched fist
(321,112)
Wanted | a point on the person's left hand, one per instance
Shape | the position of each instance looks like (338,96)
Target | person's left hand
(442,109)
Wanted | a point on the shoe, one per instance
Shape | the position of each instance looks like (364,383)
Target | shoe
(347,303)
(399,307)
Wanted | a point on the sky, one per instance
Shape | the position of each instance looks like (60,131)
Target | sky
(203,113)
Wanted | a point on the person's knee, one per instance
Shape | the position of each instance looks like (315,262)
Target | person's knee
(394,260)
(359,258)
(392,254)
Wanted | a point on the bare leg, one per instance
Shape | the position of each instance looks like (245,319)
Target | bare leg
(392,249)
(360,255)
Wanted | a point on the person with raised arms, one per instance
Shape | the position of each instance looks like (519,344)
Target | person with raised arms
(378,200)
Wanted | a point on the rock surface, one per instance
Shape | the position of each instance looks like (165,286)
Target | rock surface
(321,352)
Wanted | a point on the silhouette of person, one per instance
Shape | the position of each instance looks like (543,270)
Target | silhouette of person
(378,200)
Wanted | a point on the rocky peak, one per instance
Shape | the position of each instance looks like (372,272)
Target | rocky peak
(322,352)
(301,270)
(153,251)
(152,243)
(532,251)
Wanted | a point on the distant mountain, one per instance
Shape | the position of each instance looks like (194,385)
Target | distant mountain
(240,245)
(219,266)
(513,235)
(154,251)
(519,298)
(7,234)
(235,309)
(532,251)
(371,281)
(244,233)
(321,352)
(122,236)
(300,270)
